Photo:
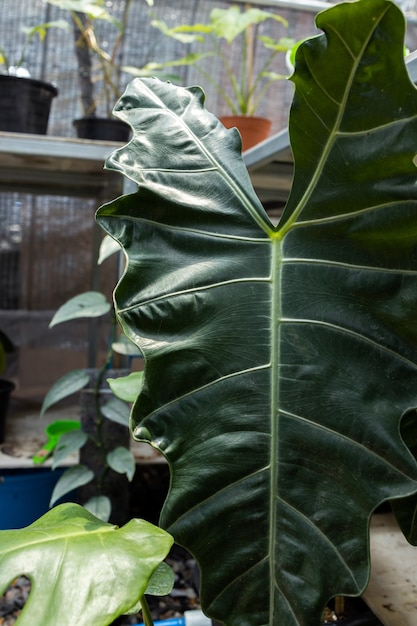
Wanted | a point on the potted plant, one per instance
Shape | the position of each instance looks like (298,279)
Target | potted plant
(248,82)
(281,366)
(100,70)
(106,462)
(25,102)
(6,386)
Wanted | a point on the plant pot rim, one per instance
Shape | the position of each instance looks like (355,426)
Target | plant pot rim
(232,116)
(35,81)
(98,118)
(5,384)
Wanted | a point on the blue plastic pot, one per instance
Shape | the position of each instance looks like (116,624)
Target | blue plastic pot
(25,495)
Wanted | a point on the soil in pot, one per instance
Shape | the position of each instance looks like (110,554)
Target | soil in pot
(25,104)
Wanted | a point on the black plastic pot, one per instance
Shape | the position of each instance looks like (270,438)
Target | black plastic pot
(6,388)
(25,104)
(102,128)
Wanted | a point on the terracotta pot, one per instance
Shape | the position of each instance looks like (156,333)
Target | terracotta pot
(253,130)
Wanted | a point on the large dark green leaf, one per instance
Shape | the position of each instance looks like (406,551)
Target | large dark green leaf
(279,360)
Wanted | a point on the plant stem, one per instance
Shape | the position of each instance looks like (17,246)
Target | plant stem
(99,414)
(146,614)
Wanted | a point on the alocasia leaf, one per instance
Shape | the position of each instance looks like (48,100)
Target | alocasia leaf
(279,359)
(83,571)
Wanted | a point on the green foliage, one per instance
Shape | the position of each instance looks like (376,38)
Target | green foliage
(92,304)
(248,82)
(127,388)
(82,570)
(280,360)
(86,16)
(65,386)
(10,66)
(88,304)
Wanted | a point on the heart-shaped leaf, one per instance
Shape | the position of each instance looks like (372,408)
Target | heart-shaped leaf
(122,461)
(67,385)
(117,411)
(127,388)
(70,480)
(99,506)
(88,304)
(68,443)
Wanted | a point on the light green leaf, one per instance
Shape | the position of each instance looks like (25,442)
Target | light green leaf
(70,480)
(127,388)
(126,347)
(108,247)
(231,22)
(187,34)
(117,411)
(68,444)
(100,507)
(88,304)
(282,45)
(67,385)
(111,566)
(122,461)
(161,582)
(42,29)
(94,10)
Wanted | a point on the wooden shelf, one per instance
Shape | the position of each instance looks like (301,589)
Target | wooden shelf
(57,166)
(25,436)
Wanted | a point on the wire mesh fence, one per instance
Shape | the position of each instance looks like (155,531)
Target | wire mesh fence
(47,242)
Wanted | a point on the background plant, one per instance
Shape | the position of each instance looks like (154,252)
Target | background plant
(115,408)
(227,27)
(103,82)
(14,66)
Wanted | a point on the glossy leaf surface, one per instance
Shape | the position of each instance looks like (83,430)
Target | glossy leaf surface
(279,359)
(91,572)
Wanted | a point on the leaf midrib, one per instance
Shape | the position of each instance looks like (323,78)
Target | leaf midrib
(237,188)
(276,272)
(332,134)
